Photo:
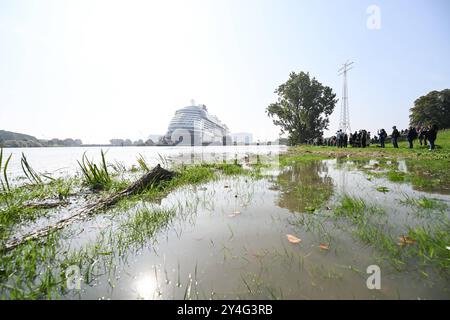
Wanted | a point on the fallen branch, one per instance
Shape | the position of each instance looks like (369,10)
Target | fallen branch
(152,178)
(47,204)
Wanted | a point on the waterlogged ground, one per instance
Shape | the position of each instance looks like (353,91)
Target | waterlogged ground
(228,238)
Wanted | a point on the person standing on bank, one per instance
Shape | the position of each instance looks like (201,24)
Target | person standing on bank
(383,136)
(395,134)
(412,135)
(363,138)
(432,135)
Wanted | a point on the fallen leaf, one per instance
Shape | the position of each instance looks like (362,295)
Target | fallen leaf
(406,240)
(324,246)
(234,214)
(310,209)
(226,186)
(293,239)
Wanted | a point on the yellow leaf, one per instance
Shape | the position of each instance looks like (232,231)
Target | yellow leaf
(324,246)
(293,239)
(234,214)
(406,240)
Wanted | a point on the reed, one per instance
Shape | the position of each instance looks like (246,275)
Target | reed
(5,183)
(29,172)
(142,163)
(95,176)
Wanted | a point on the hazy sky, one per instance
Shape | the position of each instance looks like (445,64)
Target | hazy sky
(97,70)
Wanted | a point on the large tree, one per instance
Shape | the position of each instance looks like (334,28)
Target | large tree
(433,108)
(303,107)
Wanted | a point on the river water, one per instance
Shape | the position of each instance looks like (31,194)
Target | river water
(63,161)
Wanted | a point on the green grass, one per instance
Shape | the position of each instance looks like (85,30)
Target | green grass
(95,176)
(142,163)
(368,224)
(442,151)
(3,171)
(297,154)
(396,176)
(29,273)
(14,208)
(29,172)
(430,245)
(144,224)
(355,208)
(425,203)
(36,270)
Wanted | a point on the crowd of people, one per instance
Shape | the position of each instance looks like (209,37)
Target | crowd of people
(359,138)
(426,135)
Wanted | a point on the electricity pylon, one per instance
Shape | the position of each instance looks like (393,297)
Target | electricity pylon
(344,121)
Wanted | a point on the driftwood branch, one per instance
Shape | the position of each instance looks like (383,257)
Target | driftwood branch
(153,177)
(47,204)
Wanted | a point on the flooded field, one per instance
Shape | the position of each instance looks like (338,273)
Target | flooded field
(270,229)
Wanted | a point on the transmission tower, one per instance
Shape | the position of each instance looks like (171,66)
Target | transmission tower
(344,122)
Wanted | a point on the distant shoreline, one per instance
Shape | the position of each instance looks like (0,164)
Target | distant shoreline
(114,146)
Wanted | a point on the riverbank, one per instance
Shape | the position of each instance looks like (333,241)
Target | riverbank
(442,151)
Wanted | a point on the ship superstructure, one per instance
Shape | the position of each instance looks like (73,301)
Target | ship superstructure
(193,125)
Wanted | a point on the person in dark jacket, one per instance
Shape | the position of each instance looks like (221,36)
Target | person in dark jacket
(423,136)
(412,135)
(395,134)
(383,136)
(432,135)
(363,138)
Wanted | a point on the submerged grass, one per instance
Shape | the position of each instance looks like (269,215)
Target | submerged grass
(432,245)
(38,270)
(145,222)
(428,244)
(15,206)
(424,203)
(367,227)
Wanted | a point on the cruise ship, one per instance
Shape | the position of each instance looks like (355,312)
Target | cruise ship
(193,125)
